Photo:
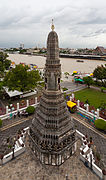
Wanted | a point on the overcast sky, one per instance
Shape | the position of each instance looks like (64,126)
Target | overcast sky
(79,23)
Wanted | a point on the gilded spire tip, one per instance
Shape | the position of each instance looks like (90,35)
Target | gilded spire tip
(52,27)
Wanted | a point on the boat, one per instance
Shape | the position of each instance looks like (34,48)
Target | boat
(79,60)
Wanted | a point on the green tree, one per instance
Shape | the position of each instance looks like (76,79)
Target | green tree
(22,51)
(100,73)
(88,81)
(19,78)
(1,86)
(4,63)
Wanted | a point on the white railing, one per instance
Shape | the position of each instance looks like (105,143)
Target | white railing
(6,116)
(86,111)
(89,114)
(9,156)
(95,168)
(18,149)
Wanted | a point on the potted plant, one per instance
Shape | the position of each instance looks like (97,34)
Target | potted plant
(91,142)
(9,146)
(30,110)
(100,124)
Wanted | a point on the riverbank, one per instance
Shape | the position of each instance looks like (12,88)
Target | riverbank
(67,64)
(84,57)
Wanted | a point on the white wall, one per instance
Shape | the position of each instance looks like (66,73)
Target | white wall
(19,151)
(8,157)
(95,168)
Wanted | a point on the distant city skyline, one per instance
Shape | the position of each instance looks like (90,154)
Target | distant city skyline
(79,23)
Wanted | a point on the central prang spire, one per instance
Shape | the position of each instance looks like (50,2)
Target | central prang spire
(52,66)
(52,136)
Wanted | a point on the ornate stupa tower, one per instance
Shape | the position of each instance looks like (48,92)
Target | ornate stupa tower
(52,136)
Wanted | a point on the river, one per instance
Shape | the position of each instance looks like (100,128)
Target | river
(67,64)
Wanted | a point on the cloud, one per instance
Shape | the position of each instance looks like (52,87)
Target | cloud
(96,33)
(75,20)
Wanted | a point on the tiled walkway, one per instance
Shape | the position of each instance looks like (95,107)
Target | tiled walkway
(27,167)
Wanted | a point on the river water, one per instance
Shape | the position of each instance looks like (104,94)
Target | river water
(67,64)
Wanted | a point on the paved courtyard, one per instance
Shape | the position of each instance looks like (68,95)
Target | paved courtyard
(27,167)
(71,86)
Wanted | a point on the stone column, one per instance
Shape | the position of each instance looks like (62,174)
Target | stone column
(97,113)
(35,100)
(75,146)
(60,159)
(87,107)
(50,159)
(6,109)
(78,103)
(27,102)
(73,149)
(42,158)
(17,106)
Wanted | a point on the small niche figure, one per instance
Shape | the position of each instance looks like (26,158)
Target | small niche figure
(15,114)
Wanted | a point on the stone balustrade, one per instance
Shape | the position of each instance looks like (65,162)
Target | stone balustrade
(9,111)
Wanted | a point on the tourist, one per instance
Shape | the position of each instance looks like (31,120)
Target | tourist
(18,113)
(26,114)
(14,115)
